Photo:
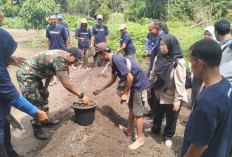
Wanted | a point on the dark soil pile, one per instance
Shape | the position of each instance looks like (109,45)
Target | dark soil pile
(103,137)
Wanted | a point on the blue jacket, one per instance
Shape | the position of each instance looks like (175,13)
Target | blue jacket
(154,51)
(9,96)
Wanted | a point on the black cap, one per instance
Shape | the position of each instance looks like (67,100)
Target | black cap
(75,52)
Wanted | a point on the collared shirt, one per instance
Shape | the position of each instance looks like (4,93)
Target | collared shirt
(130,47)
(149,43)
(119,68)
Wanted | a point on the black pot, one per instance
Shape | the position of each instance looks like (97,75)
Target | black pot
(84,116)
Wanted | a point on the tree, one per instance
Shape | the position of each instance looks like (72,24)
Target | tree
(104,11)
(135,10)
(34,12)
(8,8)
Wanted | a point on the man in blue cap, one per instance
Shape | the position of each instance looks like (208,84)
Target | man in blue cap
(62,23)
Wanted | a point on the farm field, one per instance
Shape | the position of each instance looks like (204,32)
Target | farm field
(103,138)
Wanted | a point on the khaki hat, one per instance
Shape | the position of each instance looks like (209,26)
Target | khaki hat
(83,20)
(122,26)
(101,47)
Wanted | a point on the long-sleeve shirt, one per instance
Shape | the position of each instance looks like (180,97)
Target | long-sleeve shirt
(176,90)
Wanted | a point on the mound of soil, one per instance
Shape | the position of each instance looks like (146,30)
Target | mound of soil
(101,139)
(104,138)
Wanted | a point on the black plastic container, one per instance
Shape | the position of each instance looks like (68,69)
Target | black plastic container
(84,116)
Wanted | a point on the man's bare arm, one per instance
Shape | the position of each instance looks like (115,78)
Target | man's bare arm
(195,150)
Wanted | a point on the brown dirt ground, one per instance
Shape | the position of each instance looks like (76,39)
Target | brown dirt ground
(101,139)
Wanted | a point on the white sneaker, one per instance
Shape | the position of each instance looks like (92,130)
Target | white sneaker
(168,143)
(75,68)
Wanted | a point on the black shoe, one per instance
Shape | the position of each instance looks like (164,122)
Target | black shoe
(148,114)
(40,134)
(51,122)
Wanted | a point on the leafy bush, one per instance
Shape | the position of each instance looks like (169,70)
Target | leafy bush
(38,42)
(13,23)
(9,9)
(135,10)
(34,12)
(104,11)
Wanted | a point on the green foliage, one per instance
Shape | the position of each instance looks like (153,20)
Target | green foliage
(8,8)
(38,42)
(186,35)
(34,12)
(63,4)
(13,23)
(104,11)
(135,10)
(155,8)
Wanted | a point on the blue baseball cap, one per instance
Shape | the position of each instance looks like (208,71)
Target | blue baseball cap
(59,16)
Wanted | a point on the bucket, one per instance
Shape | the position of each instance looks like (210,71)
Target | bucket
(84,116)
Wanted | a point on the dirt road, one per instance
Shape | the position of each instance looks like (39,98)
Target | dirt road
(103,138)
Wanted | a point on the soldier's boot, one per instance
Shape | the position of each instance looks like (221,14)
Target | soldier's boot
(39,133)
(51,122)
(3,150)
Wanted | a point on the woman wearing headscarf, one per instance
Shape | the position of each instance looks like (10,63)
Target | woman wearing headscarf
(9,96)
(196,84)
(168,77)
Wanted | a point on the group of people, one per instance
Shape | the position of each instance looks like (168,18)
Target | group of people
(208,131)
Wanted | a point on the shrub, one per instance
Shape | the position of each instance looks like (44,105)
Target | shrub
(34,12)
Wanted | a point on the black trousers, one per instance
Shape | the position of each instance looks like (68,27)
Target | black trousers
(171,119)
(7,141)
(153,101)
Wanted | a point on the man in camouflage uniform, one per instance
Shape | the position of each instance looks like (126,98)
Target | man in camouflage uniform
(43,66)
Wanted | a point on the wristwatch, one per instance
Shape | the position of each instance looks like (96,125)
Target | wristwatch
(81,96)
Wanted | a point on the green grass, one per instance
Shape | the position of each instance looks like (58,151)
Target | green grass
(186,35)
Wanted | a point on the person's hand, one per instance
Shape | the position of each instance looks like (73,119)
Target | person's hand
(124,98)
(85,99)
(149,93)
(82,39)
(117,51)
(176,107)
(96,92)
(145,53)
(16,61)
(91,47)
(46,93)
(42,116)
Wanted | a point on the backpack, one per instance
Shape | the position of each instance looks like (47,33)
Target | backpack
(188,82)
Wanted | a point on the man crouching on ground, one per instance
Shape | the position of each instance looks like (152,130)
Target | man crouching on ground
(44,65)
(136,82)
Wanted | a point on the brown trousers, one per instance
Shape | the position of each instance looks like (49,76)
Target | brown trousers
(84,56)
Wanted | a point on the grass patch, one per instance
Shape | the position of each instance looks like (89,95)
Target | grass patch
(38,41)
(186,35)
